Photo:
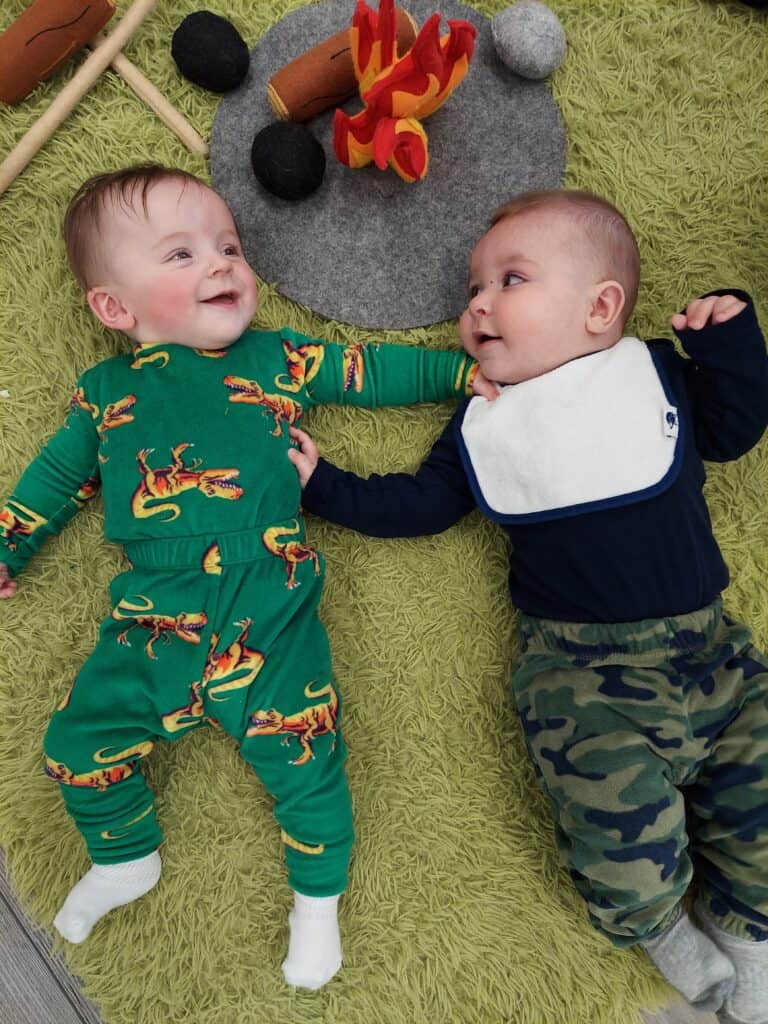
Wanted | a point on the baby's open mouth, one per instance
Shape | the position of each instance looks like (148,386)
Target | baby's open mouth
(483,338)
(223,299)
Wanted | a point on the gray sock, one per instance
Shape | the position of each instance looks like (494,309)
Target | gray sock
(748,1003)
(692,963)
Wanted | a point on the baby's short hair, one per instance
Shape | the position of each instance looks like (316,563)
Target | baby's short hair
(84,218)
(603,228)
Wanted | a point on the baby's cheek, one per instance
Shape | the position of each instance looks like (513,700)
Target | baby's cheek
(167,306)
(465,330)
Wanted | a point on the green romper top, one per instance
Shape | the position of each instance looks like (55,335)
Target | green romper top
(185,442)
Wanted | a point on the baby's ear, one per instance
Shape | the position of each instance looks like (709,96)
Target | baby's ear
(606,302)
(109,309)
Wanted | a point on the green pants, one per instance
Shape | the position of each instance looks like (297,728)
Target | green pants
(650,740)
(224,631)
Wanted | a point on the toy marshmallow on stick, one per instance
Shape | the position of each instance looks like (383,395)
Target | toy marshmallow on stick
(399,92)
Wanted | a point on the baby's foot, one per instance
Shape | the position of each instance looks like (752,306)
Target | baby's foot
(314,946)
(692,963)
(103,888)
(748,1002)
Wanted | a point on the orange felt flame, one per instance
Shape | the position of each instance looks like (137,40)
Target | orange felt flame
(399,92)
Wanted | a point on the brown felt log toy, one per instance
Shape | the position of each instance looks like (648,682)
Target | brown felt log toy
(36,45)
(324,76)
(47,34)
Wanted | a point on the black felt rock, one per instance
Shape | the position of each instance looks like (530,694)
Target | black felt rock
(288,160)
(210,52)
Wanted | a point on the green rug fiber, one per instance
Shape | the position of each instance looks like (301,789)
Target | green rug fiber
(458,912)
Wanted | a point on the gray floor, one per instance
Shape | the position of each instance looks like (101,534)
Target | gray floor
(36,987)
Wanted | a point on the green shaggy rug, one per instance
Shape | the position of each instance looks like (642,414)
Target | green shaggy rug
(458,911)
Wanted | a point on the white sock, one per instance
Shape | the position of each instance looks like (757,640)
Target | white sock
(103,888)
(692,964)
(314,946)
(748,1003)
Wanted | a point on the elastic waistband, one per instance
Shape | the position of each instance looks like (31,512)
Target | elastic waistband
(590,641)
(209,552)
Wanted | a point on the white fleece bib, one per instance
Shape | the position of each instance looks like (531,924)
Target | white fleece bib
(595,429)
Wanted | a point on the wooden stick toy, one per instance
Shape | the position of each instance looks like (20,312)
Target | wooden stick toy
(35,24)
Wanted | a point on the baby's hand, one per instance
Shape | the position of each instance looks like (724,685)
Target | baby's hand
(305,457)
(484,387)
(7,585)
(718,308)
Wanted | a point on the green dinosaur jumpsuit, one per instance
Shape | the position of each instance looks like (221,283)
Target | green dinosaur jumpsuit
(216,620)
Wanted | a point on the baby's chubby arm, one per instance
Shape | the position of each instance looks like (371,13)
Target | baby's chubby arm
(50,491)
(374,374)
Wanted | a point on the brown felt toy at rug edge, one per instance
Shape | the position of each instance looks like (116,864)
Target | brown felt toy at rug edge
(41,39)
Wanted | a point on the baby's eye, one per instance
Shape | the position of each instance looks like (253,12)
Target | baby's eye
(231,250)
(181,254)
(511,279)
(474,290)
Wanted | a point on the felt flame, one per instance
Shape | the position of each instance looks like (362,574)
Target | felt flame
(399,92)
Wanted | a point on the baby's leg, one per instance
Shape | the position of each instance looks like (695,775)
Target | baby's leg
(730,840)
(287,718)
(312,805)
(607,739)
(94,747)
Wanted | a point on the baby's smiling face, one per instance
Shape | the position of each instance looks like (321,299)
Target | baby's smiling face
(177,268)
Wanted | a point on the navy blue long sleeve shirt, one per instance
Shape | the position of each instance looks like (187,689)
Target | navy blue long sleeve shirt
(650,559)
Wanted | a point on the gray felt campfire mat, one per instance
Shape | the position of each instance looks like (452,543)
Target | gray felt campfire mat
(366,248)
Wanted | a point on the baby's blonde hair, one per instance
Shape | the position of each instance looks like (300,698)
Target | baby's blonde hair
(84,218)
(603,228)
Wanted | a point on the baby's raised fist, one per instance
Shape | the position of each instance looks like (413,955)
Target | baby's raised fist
(717,308)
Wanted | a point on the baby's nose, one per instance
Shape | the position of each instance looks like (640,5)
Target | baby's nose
(218,262)
(479,304)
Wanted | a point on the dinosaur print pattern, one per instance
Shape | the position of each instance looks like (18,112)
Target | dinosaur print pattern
(18,521)
(282,408)
(292,552)
(186,626)
(353,366)
(305,726)
(78,401)
(170,481)
(302,362)
(159,358)
(234,668)
(116,414)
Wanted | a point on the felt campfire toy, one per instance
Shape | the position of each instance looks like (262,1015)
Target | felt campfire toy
(399,92)
(325,75)
(48,32)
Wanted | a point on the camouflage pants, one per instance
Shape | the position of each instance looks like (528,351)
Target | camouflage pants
(650,740)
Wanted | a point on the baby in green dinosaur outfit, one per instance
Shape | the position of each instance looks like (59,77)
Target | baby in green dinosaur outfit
(216,619)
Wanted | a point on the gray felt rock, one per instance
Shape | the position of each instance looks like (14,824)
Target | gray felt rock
(529,39)
(366,248)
